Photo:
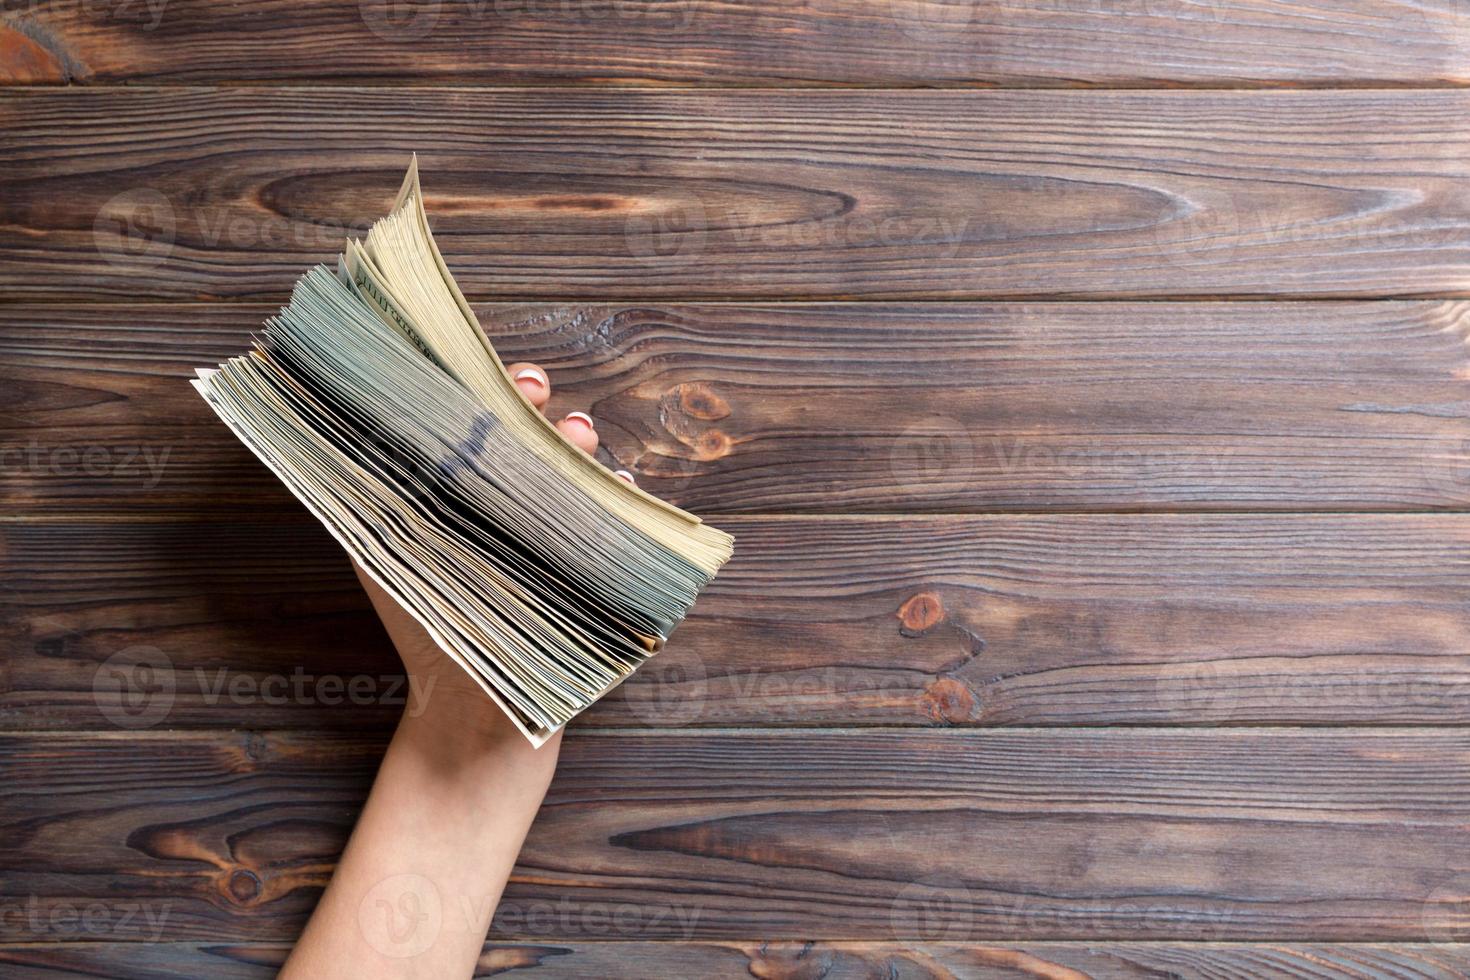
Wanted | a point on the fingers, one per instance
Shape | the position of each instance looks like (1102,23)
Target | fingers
(532,381)
(577,426)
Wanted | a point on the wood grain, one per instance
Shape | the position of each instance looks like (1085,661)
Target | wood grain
(874,730)
(1353,619)
(951,837)
(774,42)
(593,960)
(639,194)
(802,408)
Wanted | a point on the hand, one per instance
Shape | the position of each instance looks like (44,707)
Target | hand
(440,690)
(447,815)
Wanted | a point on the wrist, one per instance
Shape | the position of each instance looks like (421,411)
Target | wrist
(466,734)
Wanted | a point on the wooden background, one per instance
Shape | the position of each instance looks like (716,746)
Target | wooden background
(1085,383)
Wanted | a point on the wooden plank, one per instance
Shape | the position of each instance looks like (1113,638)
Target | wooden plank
(818,621)
(640,194)
(582,959)
(958,837)
(829,407)
(776,42)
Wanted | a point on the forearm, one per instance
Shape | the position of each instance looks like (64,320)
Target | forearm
(418,883)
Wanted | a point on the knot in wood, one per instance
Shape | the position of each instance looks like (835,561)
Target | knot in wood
(698,400)
(710,445)
(920,614)
(948,701)
(243,887)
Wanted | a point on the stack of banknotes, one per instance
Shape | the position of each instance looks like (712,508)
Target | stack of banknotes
(378,400)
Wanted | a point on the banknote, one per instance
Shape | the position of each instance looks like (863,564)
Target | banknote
(378,400)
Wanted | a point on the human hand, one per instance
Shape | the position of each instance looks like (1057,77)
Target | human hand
(442,694)
(454,798)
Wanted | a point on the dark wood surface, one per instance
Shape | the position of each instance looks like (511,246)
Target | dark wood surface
(635,194)
(591,959)
(747,42)
(1098,451)
(1238,834)
(822,408)
(952,621)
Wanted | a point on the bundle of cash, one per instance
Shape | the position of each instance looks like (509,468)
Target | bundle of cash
(378,400)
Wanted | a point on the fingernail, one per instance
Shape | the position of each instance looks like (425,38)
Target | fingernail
(581,417)
(533,374)
(625,475)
